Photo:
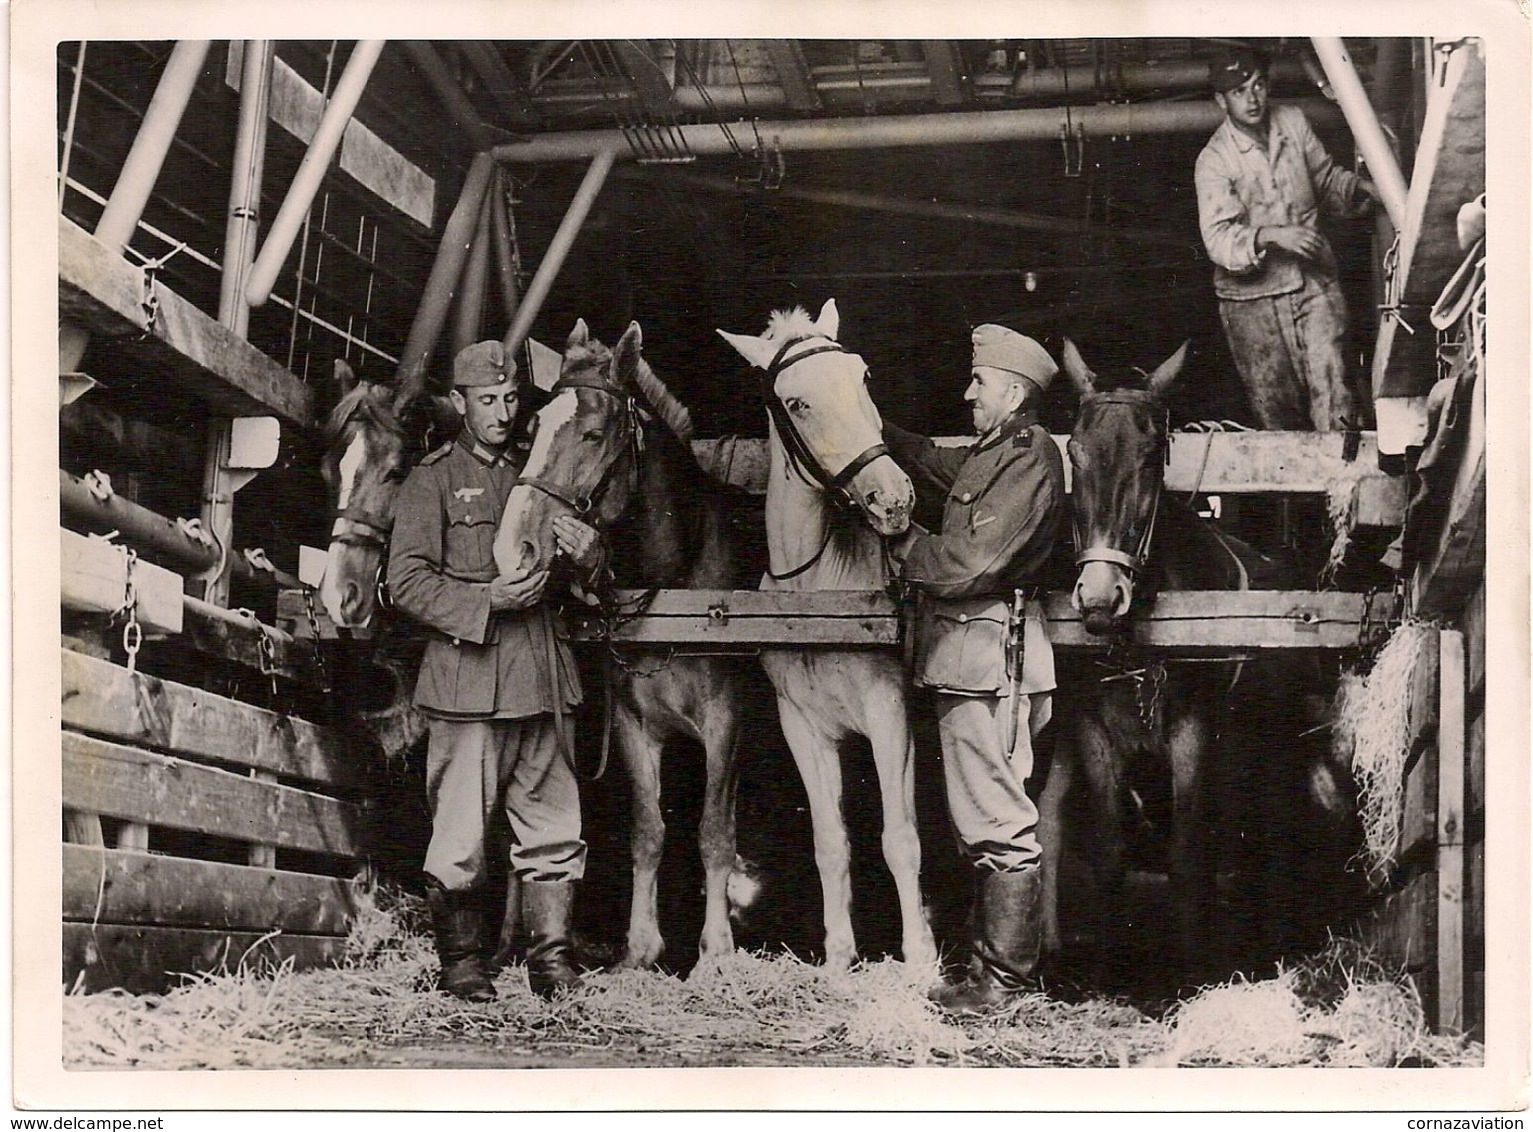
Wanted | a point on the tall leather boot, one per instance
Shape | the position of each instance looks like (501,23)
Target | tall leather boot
(546,909)
(1010,935)
(455,924)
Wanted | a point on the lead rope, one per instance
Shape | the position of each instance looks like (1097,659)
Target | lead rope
(555,685)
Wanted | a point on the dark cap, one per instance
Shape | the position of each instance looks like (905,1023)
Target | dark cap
(483,363)
(1234,66)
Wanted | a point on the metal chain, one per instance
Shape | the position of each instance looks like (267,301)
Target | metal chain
(319,653)
(132,631)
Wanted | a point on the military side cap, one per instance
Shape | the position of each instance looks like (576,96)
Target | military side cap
(1003,349)
(483,363)
(1234,67)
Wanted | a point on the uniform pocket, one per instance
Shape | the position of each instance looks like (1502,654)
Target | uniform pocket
(963,645)
(470,537)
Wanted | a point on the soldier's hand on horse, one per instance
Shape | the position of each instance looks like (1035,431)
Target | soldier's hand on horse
(1295,239)
(522,594)
(577,542)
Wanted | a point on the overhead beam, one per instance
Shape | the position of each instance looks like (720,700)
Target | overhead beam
(798,89)
(649,79)
(451,95)
(944,210)
(901,131)
(499,82)
(104,293)
(944,65)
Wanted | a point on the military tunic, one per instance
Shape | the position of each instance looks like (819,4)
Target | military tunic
(489,681)
(1003,504)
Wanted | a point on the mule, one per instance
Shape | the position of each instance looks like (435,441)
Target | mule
(833,494)
(612,447)
(1131,541)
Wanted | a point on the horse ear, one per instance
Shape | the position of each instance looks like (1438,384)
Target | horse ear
(625,357)
(580,335)
(1079,372)
(344,378)
(757,351)
(829,322)
(409,385)
(1168,371)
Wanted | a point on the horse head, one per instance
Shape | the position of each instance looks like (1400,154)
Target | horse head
(363,466)
(821,413)
(1117,453)
(584,456)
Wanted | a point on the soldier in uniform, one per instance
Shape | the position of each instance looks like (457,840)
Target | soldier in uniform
(494,681)
(980,642)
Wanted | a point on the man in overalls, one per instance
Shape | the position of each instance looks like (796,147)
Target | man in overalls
(1263,181)
(494,674)
(982,649)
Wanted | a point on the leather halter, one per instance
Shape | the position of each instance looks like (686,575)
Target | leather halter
(1132,561)
(582,505)
(838,486)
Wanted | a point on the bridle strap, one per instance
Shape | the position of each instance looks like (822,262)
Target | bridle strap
(583,505)
(370,528)
(798,451)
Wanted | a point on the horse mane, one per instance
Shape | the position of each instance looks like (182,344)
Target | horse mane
(790,323)
(663,402)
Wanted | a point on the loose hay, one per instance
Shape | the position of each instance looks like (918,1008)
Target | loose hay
(1371,730)
(739,1009)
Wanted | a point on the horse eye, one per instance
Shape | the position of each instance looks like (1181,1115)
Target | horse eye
(592,436)
(796,405)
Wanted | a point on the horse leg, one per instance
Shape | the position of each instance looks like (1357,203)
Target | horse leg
(716,836)
(641,754)
(1102,767)
(894,754)
(1056,789)
(1191,879)
(819,765)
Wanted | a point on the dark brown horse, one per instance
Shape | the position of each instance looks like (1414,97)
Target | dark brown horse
(1139,714)
(613,447)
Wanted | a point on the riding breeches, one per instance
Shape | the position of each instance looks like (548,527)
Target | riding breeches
(996,822)
(472,766)
(1291,353)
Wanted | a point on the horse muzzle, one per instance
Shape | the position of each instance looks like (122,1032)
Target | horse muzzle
(1102,596)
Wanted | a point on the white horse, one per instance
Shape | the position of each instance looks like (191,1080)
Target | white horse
(833,494)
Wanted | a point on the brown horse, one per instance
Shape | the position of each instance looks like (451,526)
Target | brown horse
(1130,542)
(833,492)
(612,446)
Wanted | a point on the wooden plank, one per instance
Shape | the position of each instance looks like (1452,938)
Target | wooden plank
(106,699)
(109,886)
(150,960)
(94,576)
(126,782)
(1450,833)
(232,635)
(1236,463)
(1402,928)
(1449,172)
(104,293)
(1418,822)
(1191,623)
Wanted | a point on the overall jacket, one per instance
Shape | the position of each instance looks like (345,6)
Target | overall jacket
(1242,187)
(478,664)
(1003,504)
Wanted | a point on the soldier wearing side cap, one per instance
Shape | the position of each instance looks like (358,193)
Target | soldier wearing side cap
(980,642)
(494,674)
(1263,181)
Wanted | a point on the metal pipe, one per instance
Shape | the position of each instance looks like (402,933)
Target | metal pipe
(69,124)
(501,237)
(473,285)
(935,210)
(452,96)
(244,223)
(558,249)
(436,298)
(311,171)
(142,167)
(1371,142)
(897,131)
